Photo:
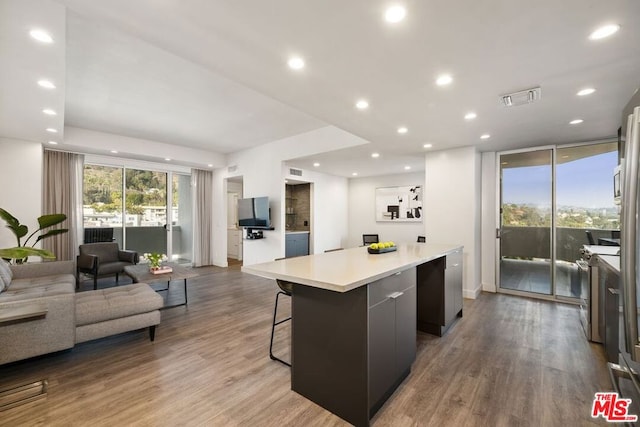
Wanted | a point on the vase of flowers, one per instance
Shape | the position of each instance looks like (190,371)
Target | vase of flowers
(155,259)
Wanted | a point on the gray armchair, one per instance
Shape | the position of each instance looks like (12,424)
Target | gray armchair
(103,259)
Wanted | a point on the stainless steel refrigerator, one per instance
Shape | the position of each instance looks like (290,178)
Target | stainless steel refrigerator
(627,373)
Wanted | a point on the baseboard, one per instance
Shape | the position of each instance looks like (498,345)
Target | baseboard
(471,294)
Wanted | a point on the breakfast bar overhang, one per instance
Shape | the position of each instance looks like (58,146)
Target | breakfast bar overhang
(355,315)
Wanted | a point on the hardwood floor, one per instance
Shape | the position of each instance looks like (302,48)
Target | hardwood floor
(509,362)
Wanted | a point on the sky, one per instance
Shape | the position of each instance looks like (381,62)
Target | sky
(586,182)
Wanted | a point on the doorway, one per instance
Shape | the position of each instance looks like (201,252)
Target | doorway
(235,234)
(551,201)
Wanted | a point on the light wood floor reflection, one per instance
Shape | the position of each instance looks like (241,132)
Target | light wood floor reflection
(509,362)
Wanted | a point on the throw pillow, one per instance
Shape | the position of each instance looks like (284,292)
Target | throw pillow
(1,285)
(5,273)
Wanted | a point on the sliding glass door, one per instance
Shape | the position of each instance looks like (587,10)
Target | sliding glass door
(146,211)
(142,210)
(525,237)
(552,202)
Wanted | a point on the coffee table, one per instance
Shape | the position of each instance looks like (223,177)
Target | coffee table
(141,273)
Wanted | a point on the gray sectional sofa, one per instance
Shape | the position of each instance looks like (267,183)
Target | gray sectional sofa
(40,312)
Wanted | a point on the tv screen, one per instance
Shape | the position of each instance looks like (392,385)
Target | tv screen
(254,212)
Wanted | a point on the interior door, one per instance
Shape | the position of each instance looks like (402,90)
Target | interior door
(526,222)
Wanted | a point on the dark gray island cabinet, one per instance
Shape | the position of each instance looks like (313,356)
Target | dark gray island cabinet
(354,321)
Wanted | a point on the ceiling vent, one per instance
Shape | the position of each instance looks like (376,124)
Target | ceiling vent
(296,172)
(522,97)
(233,168)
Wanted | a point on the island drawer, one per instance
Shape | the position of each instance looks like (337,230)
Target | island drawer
(391,286)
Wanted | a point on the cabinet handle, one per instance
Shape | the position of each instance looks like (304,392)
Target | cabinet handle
(395,295)
(398,273)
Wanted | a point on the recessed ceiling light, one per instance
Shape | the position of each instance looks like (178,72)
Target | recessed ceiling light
(576,122)
(114,151)
(316,164)
(375,155)
(604,31)
(395,14)
(41,36)
(355,174)
(210,165)
(53,143)
(362,104)
(444,80)
(49,112)
(402,130)
(485,136)
(586,91)
(46,84)
(470,116)
(407,168)
(167,159)
(52,130)
(296,63)
(428,145)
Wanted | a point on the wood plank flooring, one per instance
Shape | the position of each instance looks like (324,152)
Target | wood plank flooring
(509,362)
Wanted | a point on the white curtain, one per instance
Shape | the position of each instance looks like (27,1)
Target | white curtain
(62,193)
(203,217)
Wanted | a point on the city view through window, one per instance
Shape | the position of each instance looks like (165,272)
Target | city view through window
(584,194)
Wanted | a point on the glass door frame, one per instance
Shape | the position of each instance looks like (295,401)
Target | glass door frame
(498,219)
(552,244)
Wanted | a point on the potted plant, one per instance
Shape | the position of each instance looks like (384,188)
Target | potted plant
(22,252)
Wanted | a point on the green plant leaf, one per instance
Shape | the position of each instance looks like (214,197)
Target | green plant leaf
(10,219)
(20,231)
(50,220)
(51,233)
(24,252)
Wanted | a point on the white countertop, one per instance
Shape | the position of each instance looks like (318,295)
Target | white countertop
(296,232)
(602,250)
(342,271)
(612,261)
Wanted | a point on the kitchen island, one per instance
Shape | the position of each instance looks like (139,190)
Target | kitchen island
(355,316)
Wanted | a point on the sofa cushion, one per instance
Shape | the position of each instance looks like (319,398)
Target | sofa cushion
(33,282)
(113,303)
(50,289)
(5,273)
(1,285)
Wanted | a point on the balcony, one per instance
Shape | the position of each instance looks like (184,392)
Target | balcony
(525,259)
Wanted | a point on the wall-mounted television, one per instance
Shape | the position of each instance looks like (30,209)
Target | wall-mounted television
(254,212)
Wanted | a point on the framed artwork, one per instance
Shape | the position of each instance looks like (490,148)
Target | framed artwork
(399,204)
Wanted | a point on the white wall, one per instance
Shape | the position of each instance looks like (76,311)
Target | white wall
(362,204)
(262,173)
(21,185)
(452,207)
(489,225)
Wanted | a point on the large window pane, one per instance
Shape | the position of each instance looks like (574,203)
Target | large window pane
(584,207)
(102,203)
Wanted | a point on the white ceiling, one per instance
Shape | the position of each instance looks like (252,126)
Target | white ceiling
(212,74)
